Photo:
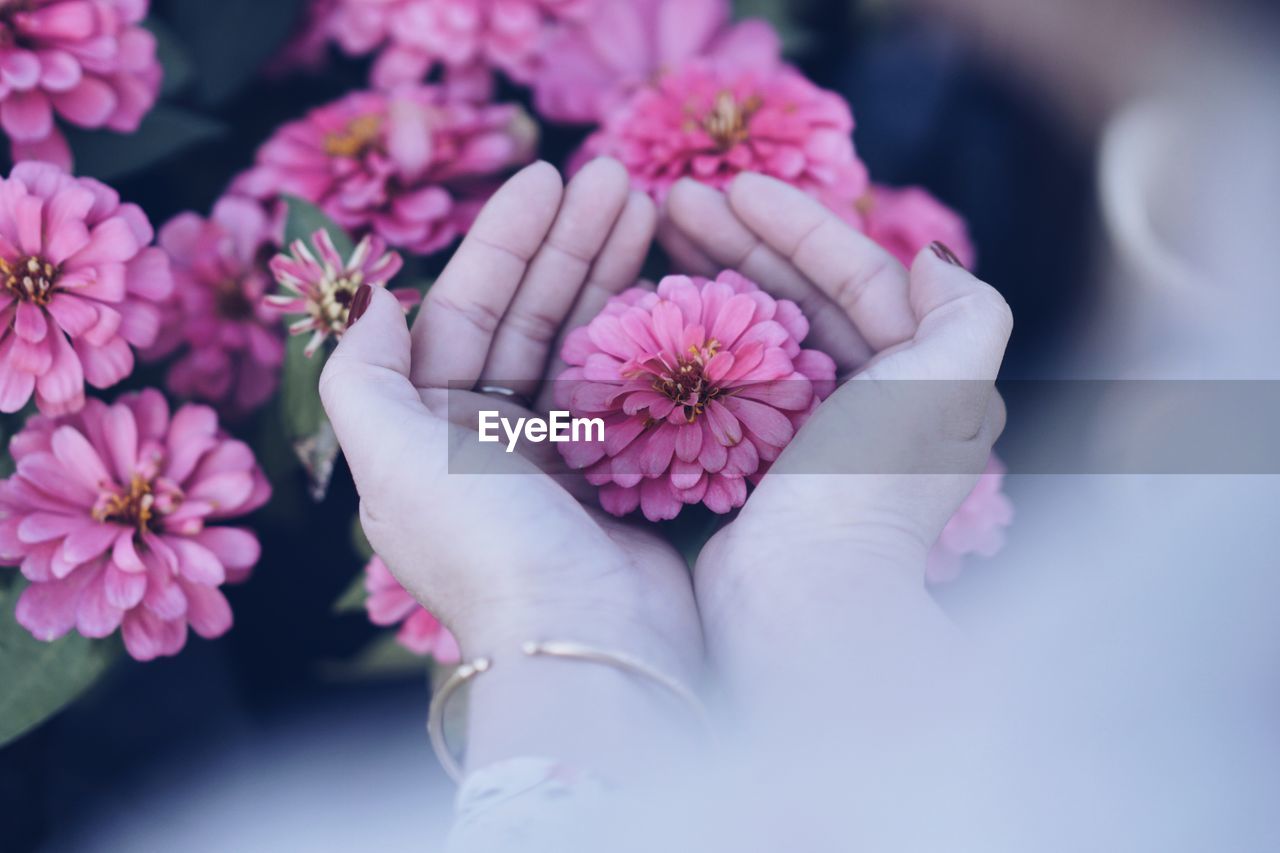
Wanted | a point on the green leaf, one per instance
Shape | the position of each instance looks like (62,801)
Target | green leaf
(166,132)
(780,14)
(359,541)
(305,219)
(173,56)
(39,679)
(230,40)
(302,415)
(353,597)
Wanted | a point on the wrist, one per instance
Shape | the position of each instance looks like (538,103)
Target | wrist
(584,706)
(666,637)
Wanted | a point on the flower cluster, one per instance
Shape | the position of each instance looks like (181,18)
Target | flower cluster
(79,286)
(700,386)
(116,511)
(465,37)
(229,346)
(413,166)
(87,62)
(112,515)
(389,604)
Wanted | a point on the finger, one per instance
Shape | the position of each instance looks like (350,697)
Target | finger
(705,219)
(620,261)
(616,269)
(373,406)
(864,280)
(592,204)
(461,312)
(684,255)
(963,323)
(964,328)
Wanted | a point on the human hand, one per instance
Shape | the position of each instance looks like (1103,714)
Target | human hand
(504,553)
(826,561)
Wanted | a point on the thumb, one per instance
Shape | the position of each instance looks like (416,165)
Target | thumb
(962,324)
(366,391)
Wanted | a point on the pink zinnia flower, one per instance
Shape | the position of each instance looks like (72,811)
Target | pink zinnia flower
(229,344)
(977,527)
(412,167)
(87,61)
(321,288)
(110,516)
(906,220)
(78,286)
(388,603)
(700,386)
(712,120)
(412,37)
(596,62)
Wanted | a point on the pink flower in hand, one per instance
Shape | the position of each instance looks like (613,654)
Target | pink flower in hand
(86,61)
(700,386)
(388,603)
(321,288)
(713,120)
(230,345)
(413,167)
(415,36)
(110,515)
(78,287)
(977,527)
(906,220)
(597,62)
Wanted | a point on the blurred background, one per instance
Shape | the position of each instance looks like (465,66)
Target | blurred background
(1116,163)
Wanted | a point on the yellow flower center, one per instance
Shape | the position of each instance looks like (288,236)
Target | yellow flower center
(30,279)
(360,136)
(132,508)
(332,306)
(687,385)
(727,122)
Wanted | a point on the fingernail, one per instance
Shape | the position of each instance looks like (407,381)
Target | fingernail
(359,304)
(940,249)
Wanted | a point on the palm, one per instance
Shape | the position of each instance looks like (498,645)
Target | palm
(466,526)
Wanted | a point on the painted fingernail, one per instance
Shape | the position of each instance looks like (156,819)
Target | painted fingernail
(940,249)
(359,304)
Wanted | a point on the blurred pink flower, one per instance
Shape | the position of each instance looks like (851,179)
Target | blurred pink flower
(86,61)
(906,220)
(230,347)
(700,386)
(321,288)
(109,516)
(597,62)
(78,286)
(388,603)
(413,167)
(712,120)
(413,37)
(977,527)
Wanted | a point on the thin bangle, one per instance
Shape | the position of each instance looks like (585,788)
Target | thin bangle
(555,649)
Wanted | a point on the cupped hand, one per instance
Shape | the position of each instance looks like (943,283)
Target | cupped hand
(496,544)
(826,560)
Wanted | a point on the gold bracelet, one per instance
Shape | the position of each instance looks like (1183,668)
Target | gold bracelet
(556,649)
